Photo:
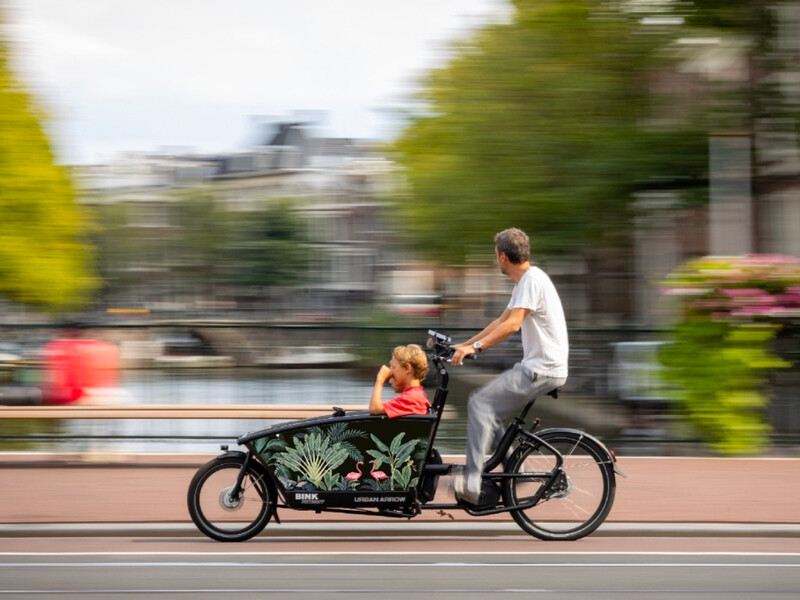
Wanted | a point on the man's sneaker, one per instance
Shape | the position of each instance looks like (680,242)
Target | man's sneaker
(462,491)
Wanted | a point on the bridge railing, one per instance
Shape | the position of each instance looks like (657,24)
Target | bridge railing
(168,411)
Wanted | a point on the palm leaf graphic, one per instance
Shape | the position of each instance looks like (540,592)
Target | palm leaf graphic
(339,433)
(395,445)
(269,448)
(404,451)
(313,456)
(353,452)
(381,446)
(395,454)
(332,481)
(404,476)
(378,456)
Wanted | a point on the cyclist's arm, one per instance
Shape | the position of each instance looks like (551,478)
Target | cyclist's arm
(508,323)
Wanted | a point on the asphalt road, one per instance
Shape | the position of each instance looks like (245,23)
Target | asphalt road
(433,567)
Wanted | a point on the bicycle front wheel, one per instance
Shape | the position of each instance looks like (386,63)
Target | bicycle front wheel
(579,499)
(220,515)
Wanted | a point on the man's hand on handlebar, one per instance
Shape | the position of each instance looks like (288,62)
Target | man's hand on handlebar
(461,352)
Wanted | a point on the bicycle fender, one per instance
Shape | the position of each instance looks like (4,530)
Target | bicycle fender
(612,459)
(254,461)
(232,454)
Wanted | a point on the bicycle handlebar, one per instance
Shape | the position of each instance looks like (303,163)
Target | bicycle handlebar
(440,345)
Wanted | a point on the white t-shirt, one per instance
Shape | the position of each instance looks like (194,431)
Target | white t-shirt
(545,344)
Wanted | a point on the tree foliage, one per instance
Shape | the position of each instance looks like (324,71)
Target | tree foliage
(43,261)
(541,123)
(201,248)
(273,250)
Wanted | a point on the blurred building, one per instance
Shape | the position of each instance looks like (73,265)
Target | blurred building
(336,188)
(753,169)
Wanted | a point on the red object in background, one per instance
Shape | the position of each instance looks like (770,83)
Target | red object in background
(75,365)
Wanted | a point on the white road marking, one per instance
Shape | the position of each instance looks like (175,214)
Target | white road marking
(277,591)
(407,553)
(416,565)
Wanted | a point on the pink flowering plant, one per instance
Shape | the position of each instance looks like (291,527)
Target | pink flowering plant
(729,310)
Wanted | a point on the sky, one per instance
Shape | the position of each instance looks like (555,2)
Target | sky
(151,75)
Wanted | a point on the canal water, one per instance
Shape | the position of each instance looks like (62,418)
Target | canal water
(232,386)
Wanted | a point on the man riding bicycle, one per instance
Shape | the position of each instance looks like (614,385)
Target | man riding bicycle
(534,307)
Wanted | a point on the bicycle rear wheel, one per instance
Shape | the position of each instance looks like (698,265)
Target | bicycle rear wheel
(221,516)
(580,498)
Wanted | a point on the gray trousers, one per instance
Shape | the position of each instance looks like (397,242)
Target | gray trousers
(503,397)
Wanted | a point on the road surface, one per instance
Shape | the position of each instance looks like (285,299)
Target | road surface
(435,567)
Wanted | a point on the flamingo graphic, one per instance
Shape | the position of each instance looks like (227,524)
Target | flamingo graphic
(355,475)
(377,475)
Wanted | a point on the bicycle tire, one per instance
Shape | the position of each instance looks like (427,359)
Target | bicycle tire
(580,501)
(219,516)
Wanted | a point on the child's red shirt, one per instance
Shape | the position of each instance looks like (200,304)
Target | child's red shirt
(413,401)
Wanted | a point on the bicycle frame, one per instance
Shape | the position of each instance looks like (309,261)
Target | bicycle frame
(514,431)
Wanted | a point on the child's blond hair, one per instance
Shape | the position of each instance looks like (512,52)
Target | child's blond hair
(412,355)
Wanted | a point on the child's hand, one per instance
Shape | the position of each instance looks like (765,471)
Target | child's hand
(384,374)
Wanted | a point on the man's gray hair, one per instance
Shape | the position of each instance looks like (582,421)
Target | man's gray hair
(514,243)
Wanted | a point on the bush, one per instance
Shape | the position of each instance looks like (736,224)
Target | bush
(730,309)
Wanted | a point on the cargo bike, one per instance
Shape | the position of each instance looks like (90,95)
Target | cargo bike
(557,484)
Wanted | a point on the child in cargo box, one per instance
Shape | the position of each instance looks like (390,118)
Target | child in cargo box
(406,370)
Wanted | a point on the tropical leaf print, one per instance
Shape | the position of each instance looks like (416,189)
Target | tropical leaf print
(326,458)
(339,433)
(374,485)
(331,481)
(352,452)
(378,456)
(395,445)
(345,485)
(312,457)
(381,446)
(269,447)
(397,456)
(403,477)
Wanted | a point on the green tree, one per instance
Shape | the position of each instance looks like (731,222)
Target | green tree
(43,261)
(273,250)
(546,122)
(205,230)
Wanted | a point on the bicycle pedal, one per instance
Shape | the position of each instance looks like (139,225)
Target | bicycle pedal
(489,498)
(490,494)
